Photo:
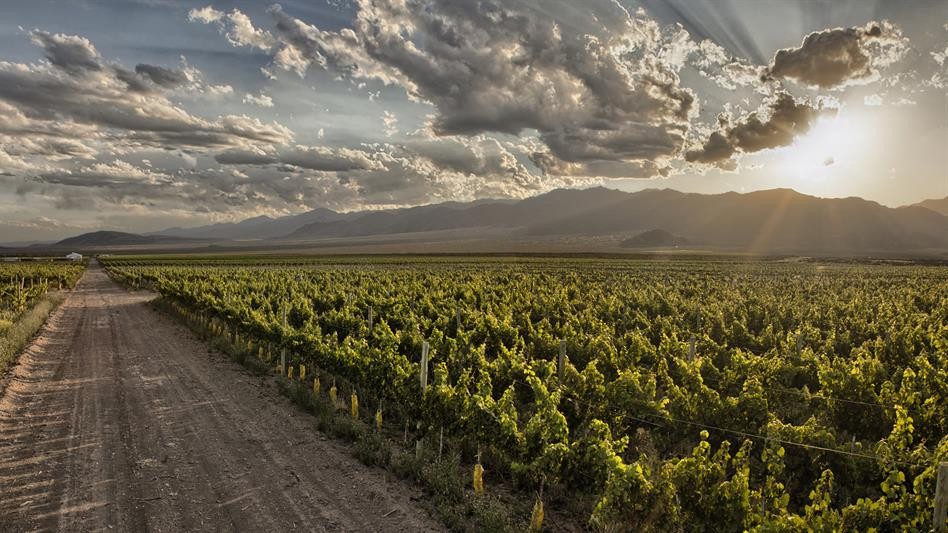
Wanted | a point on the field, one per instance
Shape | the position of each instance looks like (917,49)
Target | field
(695,395)
(25,300)
(22,284)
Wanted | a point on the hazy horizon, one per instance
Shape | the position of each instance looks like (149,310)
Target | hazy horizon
(139,116)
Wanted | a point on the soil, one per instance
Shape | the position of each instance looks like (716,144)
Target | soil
(116,417)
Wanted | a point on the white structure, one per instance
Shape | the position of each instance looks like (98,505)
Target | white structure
(74,256)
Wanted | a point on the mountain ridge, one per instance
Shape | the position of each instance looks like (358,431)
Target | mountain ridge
(767,221)
(938,205)
(118,238)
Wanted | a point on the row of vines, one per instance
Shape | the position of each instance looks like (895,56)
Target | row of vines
(23,283)
(691,396)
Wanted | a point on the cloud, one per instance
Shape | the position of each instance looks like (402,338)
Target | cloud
(163,77)
(389,123)
(778,123)
(328,159)
(79,96)
(594,86)
(262,101)
(838,57)
(941,56)
(320,158)
(236,27)
(206,15)
(70,53)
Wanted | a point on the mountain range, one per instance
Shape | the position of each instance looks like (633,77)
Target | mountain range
(771,221)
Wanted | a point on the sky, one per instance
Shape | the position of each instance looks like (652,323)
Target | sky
(142,115)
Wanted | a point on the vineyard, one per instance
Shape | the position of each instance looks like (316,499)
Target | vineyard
(681,395)
(22,284)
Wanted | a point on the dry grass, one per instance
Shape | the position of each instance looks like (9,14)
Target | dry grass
(19,333)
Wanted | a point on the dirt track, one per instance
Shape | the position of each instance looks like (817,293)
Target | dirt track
(118,418)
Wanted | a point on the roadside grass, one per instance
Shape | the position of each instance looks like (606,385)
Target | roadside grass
(444,480)
(21,331)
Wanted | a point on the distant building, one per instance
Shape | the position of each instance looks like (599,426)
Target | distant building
(11,259)
(74,257)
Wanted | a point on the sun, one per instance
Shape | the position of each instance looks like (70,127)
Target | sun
(829,156)
(832,141)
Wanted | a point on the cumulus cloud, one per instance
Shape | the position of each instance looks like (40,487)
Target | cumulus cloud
(781,120)
(206,15)
(70,53)
(262,100)
(839,57)
(599,93)
(236,27)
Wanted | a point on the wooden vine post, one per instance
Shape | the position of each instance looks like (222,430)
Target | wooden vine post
(940,517)
(691,348)
(561,362)
(283,349)
(423,377)
(370,319)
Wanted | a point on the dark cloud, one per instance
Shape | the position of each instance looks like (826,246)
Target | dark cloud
(70,53)
(841,56)
(161,76)
(785,119)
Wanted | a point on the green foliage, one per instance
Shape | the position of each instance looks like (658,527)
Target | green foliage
(837,430)
(24,283)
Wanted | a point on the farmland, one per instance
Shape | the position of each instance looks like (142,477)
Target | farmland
(21,284)
(26,298)
(699,395)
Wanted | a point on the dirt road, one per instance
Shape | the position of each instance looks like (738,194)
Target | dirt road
(118,418)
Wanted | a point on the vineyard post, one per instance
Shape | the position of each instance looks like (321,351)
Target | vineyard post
(283,348)
(424,366)
(691,348)
(370,319)
(457,317)
(440,442)
(799,344)
(561,361)
(941,499)
(424,386)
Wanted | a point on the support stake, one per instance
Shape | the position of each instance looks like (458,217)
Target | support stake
(561,361)
(941,499)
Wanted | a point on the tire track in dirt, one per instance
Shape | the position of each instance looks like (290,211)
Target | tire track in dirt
(117,417)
